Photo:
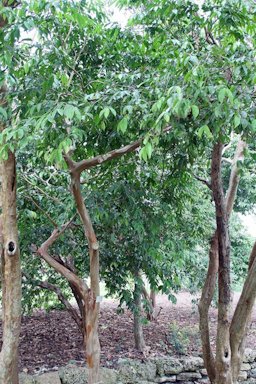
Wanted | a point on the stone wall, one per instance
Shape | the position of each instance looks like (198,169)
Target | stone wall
(187,370)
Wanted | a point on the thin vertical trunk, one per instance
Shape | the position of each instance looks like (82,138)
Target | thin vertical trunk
(223,350)
(137,324)
(91,340)
(153,298)
(204,306)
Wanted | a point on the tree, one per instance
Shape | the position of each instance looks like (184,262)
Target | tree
(209,46)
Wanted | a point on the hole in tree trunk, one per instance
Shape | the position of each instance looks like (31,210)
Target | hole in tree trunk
(11,248)
(226,354)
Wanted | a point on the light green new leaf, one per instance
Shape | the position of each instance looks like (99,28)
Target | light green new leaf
(204,130)
(69,111)
(221,95)
(195,111)
(122,125)
(105,112)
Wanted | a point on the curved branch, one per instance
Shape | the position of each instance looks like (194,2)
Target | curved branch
(97,160)
(64,271)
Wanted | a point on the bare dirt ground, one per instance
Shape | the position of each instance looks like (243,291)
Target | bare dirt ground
(51,340)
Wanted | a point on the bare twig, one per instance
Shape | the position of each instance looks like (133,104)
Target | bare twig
(43,211)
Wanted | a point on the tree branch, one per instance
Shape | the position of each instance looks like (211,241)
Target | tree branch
(97,160)
(204,181)
(61,297)
(234,177)
(64,271)
(43,211)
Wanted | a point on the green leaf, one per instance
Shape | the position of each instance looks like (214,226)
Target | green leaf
(69,111)
(253,125)
(195,111)
(26,67)
(204,130)
(3,113)
(237,121)
(105,112)
(221,95)
(149,149)
(122,125)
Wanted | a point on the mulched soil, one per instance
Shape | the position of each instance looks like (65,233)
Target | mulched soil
(51,340)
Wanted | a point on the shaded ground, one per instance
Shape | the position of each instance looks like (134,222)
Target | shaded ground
(51,340)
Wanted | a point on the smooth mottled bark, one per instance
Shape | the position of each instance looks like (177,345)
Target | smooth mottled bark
(10,266)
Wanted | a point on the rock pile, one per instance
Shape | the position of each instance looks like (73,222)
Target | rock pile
(162,370)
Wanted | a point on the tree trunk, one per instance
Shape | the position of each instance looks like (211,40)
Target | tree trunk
(11,270)
(204,306)
(223,349)
(225,207)
(11,275)
(92,303)
(153,298)
(137,325)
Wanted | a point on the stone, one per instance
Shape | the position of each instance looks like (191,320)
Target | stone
(168,366)
(72,374)
(245,367)
(249,355)
(166,379)
(242,376)
(49,378)
(252,373)
(26,379)
(203,372)
(132,371)
(192,364)
(108,376)
(203,381)
(183,376)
